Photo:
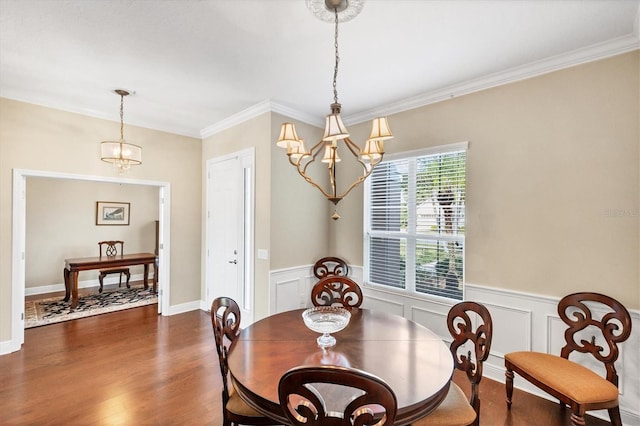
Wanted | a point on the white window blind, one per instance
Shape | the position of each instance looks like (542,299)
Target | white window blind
(414,219)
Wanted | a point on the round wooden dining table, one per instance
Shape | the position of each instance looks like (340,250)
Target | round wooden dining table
(413,360)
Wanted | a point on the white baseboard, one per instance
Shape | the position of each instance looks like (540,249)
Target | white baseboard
(32,291)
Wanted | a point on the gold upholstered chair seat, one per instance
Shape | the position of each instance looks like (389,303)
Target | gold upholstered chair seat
(578,383)
(454,410)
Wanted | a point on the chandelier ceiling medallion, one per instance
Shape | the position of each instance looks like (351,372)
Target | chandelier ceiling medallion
(119,153)
(335,132)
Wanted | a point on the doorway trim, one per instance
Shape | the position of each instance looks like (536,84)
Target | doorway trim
(19,241)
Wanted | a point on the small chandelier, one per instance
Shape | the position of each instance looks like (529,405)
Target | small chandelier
(335,132)
(121,154)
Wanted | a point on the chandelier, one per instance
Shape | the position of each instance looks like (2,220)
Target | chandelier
(119,153)
(336,134)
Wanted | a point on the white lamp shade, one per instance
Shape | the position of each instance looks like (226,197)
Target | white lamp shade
(373,150)
(380,129)
(334,128)
(288,137)
(120,153)
(330,154)
(297,151)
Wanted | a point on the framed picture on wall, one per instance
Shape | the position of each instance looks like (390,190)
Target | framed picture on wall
(112,213)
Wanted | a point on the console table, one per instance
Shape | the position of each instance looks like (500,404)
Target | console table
(73,266)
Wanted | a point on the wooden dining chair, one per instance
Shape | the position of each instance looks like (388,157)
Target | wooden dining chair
(456,410)
(336,290)
(225,319)
(308,397)
(330,266)
(571,383)
(112,249)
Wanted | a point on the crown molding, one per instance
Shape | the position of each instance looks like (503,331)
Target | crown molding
(254,111)
(580,56)
(61,106)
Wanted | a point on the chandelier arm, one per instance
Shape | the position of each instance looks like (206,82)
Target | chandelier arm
(367,168)
(368,171)
(301,166)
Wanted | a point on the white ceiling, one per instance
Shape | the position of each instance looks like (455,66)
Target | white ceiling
(195,65)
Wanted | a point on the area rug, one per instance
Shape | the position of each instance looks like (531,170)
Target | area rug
(54,309)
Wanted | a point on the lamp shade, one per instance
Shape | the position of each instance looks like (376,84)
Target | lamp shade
(373,150)
(120,153)
(288,137)
(295,152)
(330,154)
(380,129)
(334,128)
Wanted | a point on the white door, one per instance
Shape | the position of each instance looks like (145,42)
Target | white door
(229,264)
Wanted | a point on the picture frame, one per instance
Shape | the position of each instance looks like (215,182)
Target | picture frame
(112,213)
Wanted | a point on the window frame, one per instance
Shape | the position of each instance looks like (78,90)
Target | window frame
(410,280)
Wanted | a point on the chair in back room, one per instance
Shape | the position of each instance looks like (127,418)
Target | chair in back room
(112,249)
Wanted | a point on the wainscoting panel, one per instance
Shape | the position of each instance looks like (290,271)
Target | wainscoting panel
(522,321)
(381,304)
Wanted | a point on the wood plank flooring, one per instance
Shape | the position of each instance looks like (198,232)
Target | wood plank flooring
(137,368)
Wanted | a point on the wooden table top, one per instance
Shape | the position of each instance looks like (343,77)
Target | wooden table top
(88,263)
(413,360)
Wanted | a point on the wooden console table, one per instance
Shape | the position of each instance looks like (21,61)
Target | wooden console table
(73,266)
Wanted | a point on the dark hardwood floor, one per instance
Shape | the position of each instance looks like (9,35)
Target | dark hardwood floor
(134,367)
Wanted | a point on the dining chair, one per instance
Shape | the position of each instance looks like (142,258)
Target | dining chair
(330,266)
(571,383)
(112,249)
(225,319)
(336,290)
(307,396)
(456,410)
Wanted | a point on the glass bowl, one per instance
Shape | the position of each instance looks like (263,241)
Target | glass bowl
(326,320)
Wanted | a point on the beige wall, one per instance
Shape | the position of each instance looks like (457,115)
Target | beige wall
(253,133)
(553,183)
(61,224)
(39,138)
(299,212)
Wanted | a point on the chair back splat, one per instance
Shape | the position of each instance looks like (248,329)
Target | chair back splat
(112,249)
(615,327)
(462,332)
(307,394)
(336,290)
(471,327)
(330,266)
(596,324)
(225,320)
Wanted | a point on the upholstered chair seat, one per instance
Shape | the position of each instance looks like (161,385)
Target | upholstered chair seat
(454,410)
(569,378)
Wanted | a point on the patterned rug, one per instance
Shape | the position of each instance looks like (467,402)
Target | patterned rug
(53,310)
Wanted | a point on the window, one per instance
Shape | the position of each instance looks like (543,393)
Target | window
(414,222)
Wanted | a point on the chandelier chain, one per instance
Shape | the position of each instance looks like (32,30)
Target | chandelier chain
(335,69)
(121,118)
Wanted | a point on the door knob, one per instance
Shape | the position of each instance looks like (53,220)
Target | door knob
(233,261)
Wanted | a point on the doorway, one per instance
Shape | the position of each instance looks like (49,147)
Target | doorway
(19,240)
(229,258)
